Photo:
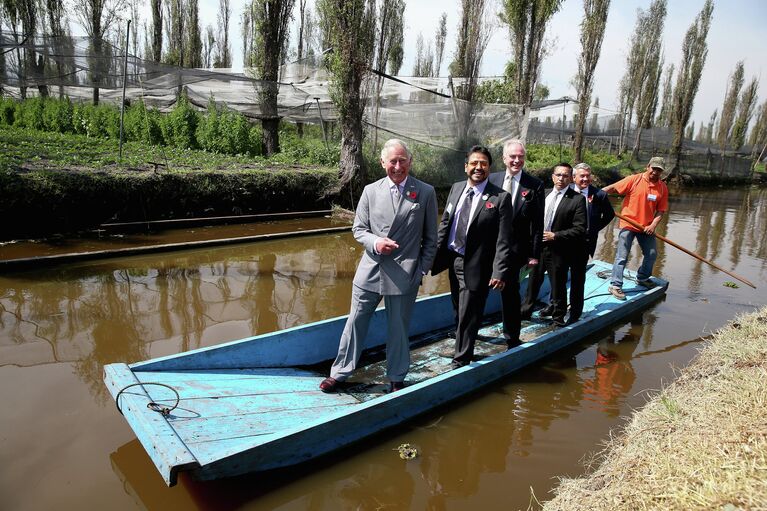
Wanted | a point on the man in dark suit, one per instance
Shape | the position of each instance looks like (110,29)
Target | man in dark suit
(564,233)
(599,213)
(472,245)
(526,230)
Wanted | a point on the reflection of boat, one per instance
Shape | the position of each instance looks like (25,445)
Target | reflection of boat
(254,404)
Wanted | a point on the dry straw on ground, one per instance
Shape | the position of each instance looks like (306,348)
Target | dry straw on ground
(701,443)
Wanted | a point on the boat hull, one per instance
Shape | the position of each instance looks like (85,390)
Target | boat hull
(239,414)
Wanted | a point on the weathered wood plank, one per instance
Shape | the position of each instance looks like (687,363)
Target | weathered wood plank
(167,450)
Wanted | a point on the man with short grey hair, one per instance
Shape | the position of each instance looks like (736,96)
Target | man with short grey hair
(599,213)
(396,223)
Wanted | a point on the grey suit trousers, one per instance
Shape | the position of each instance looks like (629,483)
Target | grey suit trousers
(364,303)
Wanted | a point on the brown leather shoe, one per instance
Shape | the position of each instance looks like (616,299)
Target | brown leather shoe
(328,385)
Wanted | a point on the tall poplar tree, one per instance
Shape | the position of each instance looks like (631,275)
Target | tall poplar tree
(526,21)
(694,53)
(439,43)
(271,23)
(193,45)
(592,35)
(729,106)
(473,35)
(157,19)
(223,52)
(745,112)
(350,28)
(664,117)
(97,17)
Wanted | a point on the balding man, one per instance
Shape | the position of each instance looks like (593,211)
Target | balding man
(526,236)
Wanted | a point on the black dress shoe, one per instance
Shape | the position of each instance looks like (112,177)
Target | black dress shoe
(328,385)
(510,344)
(394,386)
(546,311)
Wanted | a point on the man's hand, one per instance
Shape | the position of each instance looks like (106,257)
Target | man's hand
(385,246)
(548,236)
(497,284)
(532,261)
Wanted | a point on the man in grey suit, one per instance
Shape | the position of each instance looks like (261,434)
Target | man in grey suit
(396,222)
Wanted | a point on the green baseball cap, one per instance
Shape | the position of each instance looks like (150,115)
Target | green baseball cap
(657,162)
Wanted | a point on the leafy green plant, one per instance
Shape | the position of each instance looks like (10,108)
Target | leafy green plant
(58,115)
(8,109)
(143,124)
(180,125)
(32,113)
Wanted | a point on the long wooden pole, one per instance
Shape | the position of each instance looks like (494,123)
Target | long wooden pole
(689,252)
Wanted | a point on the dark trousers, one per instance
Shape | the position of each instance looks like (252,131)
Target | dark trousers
(557,268)
(577,284)
(510,305)
(469,307)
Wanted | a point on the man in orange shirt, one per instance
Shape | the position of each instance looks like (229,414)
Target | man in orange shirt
(645,200)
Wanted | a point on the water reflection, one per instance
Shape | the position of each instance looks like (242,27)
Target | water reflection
(484,450)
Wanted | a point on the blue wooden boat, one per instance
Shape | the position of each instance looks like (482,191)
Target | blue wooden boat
(254,404)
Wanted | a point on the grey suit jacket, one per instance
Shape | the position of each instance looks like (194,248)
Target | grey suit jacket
(412,223)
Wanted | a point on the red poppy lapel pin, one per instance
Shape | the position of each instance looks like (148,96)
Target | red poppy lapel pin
(524,193)
(489,205)
(591,198)
(411,195)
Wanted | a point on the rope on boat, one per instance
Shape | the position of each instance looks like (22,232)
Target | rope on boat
(155,407)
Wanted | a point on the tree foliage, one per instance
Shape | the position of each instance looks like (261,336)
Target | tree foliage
(271,23)
(694,53)
(526,21)
(640,83)
(592,35)
(350,27)
(474,32)
(664,117)
(223,53)
(439,43)
(745,112)
(729,106)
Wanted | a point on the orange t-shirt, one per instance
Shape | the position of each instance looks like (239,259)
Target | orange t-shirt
(642,200)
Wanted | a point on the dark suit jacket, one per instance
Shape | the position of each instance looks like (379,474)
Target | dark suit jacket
(568,226)
(486,254)
(600,213)
(527,216)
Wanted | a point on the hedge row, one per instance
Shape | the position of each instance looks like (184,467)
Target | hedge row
(45,202)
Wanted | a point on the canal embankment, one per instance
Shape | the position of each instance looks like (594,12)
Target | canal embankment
(700,443)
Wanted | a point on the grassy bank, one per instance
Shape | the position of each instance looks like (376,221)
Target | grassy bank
(52,183)
(701,443)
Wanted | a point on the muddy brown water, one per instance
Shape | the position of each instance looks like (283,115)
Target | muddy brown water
(63,444)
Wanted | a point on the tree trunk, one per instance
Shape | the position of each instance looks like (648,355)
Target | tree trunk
(352,164)
(270,138)
(270,135)
(579,128)
(676,154)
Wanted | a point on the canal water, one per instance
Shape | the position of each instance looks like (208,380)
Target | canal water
(63,444)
